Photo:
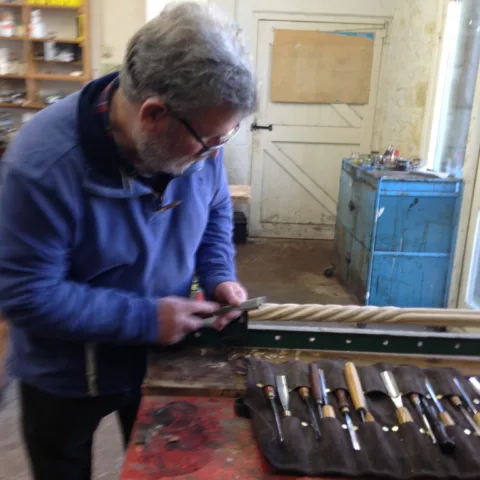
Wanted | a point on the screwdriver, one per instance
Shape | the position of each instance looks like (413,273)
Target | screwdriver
(439,421)
(305,394)
(269,392)
(356,392)
(341,395)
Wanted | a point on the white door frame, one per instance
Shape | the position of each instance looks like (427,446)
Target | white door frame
(249,12)
(262,140)
(470,205)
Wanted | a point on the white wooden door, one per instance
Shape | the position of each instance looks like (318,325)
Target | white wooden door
(296,166)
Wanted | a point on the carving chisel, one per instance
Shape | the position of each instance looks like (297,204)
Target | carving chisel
(319,391)
(341,395)
(282,390)
(475,384)
(403,415)
(439,421)
(456,401)
(417,403)
(270,394)
(470,405)
(327,409)
(251,304)
(305,394)
(356,392)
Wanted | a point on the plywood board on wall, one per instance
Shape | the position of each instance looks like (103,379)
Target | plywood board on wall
(319,67)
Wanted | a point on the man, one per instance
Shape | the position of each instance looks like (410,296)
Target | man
(115,197)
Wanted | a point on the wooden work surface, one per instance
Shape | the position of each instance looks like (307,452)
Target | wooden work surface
(211,372)
(194,438)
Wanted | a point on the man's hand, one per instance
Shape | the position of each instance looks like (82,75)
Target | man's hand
(177,317)
(229,293)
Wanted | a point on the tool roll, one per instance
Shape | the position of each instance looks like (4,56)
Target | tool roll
(392,444)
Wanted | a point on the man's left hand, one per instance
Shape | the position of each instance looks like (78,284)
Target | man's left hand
(229,293)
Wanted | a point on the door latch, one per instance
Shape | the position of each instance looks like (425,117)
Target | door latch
(255,126)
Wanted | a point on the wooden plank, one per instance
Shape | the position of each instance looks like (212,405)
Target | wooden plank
(319,67)
(213,372)
(240,194)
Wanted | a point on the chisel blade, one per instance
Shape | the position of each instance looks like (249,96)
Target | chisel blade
(352,433)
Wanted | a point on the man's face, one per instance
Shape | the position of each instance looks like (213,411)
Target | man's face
(165,144)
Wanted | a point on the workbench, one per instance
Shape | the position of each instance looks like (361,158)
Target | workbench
(206,440)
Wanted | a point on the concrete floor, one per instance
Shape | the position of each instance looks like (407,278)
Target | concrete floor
(284,271)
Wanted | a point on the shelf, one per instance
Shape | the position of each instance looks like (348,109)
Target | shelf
(25,106)
(53,76)
(14,37)
(13,76)
(33,5)
(57,62)
(56,40)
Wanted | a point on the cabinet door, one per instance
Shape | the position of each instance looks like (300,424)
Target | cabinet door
(345,198)
(362,207)
(358,270)
(415,224)
(342,252)
(408,281)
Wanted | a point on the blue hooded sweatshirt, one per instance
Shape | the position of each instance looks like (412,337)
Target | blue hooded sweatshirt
(86,250)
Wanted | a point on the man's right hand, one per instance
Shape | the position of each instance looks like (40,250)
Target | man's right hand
(176,317)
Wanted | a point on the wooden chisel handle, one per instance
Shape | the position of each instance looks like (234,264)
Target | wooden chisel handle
(315,381)
(355,387)
(476,418)
(403,415)
(446,419)
(369,417)
(342,399)
(328,411)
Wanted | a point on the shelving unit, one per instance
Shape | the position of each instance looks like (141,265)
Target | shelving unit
(37,71)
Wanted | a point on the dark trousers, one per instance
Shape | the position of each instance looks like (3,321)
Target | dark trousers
(58,432)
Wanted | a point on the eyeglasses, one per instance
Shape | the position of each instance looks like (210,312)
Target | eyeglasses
(222,139)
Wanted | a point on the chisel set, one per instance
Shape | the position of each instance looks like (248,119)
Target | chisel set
(385,421)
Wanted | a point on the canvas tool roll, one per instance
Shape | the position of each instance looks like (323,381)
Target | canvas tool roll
(388,450)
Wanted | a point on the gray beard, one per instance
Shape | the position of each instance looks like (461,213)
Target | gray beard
(154,158)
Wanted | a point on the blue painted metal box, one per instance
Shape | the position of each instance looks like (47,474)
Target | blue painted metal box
(395,236)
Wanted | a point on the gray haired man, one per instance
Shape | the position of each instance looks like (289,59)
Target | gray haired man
(115,198)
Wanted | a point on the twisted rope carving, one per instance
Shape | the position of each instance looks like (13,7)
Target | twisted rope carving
(367,314)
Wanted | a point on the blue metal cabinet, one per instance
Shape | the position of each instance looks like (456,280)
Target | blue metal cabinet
(395,236)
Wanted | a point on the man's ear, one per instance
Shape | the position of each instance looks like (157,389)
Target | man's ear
(152,112)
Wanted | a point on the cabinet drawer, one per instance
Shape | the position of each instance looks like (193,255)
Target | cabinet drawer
(415,224)
(409,281)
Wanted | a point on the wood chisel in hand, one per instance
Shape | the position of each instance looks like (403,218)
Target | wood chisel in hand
(252,304)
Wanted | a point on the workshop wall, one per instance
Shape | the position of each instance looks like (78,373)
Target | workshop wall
(406,74)
(113,23)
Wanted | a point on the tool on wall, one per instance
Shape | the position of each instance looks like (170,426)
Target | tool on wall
(356,392)
(342,400)
(417,403)
(271,396)
(403,415)
(439,420)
